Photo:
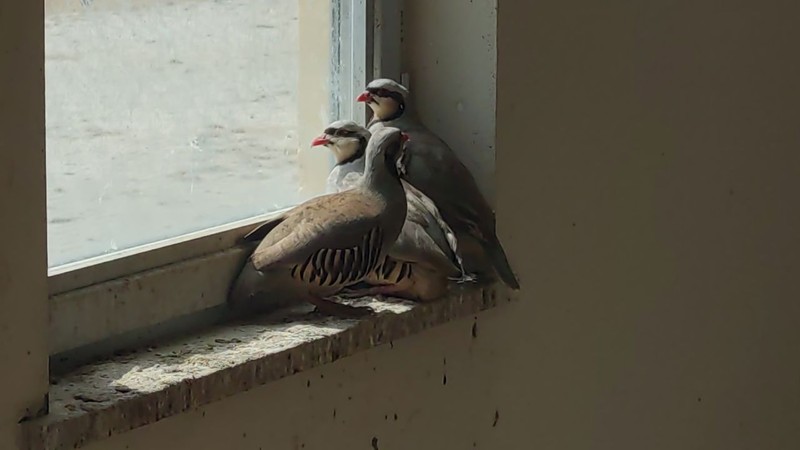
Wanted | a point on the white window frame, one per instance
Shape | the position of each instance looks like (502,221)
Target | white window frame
(109,303)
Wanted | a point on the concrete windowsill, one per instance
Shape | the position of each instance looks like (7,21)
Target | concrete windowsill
(130,391)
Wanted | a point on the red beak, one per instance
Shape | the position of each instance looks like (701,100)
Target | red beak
(364,97)
(322,139)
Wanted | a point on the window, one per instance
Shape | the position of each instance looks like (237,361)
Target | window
(173,127)
(167,117)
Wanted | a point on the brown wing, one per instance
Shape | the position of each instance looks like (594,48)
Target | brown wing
(433,168)
(443,178)
(339,221)
(341,266)
(258,233)
(426,238)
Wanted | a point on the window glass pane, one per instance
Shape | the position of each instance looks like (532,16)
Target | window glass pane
(169,116)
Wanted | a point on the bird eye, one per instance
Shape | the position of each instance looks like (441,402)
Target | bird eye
(382,92)
(338,133)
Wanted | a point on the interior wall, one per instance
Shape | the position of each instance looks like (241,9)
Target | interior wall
(23,247)
(647,160)
(646,192)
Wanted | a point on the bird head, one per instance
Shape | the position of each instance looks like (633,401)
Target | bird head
(346,139)
(387,98)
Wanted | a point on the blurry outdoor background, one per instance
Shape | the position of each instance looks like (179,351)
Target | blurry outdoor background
(166,117)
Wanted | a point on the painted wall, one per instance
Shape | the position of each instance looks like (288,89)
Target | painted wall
(647,161)
(646,182)
(23,245)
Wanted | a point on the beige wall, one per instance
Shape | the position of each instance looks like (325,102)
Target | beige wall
(655,148)
(647,162)
(23,258)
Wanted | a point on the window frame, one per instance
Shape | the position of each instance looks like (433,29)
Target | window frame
(107,303)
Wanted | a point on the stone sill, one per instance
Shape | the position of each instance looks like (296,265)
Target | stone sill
(114,396)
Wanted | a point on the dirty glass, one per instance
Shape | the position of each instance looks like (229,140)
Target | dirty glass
(166,117)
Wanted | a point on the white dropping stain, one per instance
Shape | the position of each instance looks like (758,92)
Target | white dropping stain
(113,245)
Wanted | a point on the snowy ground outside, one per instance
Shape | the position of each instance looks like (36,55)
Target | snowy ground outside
(166,117)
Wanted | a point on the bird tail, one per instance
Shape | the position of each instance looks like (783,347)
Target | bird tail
(499,260)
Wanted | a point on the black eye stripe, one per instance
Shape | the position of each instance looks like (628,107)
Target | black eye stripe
(384,93)
(341,132)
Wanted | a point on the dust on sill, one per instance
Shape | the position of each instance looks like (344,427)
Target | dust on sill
(113,396)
